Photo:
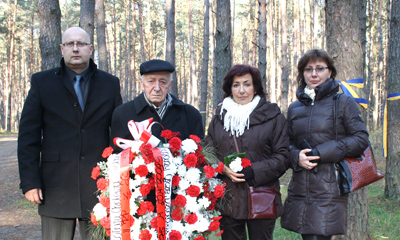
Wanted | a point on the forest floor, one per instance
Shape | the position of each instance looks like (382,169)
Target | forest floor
(19,219)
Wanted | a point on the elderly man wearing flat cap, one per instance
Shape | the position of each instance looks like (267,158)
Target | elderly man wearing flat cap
(155,101)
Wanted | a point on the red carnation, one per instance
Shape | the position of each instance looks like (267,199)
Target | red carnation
(153,222)
(214,225)
(167,134)
(150,206)
(209,171)
(105,201)
(220,167)
(145,189)
(200,237)
(105,222)
(142,171)
(145,235)
(108,232)
(176,134)
(95,172)
(175,235)
(191,218)
(175,144)
(93,219)
(180,201)
(219,191)
(152,182)
(175,180)
(102,184)
(177,214)
(107,152)
(142,208)
(147,153)
(246,163)
(193,191)
(195,138)
(190,160)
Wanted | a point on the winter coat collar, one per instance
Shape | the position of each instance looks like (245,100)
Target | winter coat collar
(326,89)
(141,104)
(264,111)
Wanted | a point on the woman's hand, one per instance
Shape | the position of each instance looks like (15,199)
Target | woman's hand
(304,160)
(235,177)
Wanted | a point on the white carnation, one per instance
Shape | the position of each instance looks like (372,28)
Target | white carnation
(204,202)
(135,146)
(182,170)
(189,146)
(99,211)
(192,205)
(236,165)
(193,175)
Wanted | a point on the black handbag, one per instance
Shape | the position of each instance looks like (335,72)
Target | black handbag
(354,173)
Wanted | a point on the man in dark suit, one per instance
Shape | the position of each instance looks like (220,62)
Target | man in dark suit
(63,130)
(158,103)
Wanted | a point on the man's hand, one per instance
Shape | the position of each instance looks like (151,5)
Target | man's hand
(34,195)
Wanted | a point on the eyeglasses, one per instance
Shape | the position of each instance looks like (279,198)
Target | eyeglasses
(318,70)
(72,44)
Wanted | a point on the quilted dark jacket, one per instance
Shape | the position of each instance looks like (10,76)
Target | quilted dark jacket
(267,147)
(313,205)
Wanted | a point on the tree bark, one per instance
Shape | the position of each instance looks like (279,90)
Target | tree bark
(204,67)
(87,19)
(285,62)
(345,29)
(222,52)
(101,35)
(170,53)
(141,31)
(194,100)
(49,14)
(262,41)
(392,186)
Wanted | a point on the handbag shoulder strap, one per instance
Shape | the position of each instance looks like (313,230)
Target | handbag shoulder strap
(335,115)
(236,145)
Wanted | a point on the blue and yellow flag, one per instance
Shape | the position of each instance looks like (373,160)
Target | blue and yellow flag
(346,88)
(390,97)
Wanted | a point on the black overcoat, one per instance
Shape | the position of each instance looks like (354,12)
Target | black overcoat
(58,144)
(179,117)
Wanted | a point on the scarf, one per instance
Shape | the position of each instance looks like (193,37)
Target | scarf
(310,92)
(237,116)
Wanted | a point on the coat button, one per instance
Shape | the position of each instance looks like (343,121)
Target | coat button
(83,130)
(75,104)
(82,157)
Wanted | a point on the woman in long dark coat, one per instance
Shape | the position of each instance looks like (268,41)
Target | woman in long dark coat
(314,207)
(261,133)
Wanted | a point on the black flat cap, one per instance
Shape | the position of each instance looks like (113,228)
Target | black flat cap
(156,65)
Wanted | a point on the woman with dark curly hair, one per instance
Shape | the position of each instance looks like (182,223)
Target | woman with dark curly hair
(260,131)
(314,207)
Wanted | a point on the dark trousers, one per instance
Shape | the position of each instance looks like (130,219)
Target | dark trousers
(63,228)
(235,229)
(315,237)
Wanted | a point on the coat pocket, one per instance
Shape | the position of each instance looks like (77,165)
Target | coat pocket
(50,167)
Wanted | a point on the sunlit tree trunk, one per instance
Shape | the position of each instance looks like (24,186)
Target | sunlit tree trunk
(392,186)
(141,31)
(204,66)
(49,14)
(345,42)
(262,40)
(222,52)
(170,41)
(285,62)
(101,35)
(192,62)
(87,18)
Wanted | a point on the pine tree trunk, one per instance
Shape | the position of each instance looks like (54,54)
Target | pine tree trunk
(194,100)
(345,41)
(101,35)
(285,62)
(222,52)
(49,14)
(392,189)
(170,41)
(262,41)
(141,31)
(87,19)
(204,66)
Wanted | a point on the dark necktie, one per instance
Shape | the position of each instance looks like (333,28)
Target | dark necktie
(77,87)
